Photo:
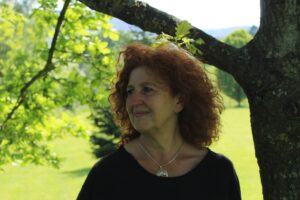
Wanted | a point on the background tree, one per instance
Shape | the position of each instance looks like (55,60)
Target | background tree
(226,82)
(267,68)
(106,138)
(43,88)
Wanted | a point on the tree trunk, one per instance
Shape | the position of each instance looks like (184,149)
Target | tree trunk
(268,70)
(274,97)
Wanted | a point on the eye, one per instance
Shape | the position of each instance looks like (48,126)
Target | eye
(147,89)
(129,91)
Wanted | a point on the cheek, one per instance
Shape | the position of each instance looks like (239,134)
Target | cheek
(127,105)
(130,101)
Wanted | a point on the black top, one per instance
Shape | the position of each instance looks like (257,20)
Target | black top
(120,176)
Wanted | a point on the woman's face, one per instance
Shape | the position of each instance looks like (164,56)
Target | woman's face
(149,103)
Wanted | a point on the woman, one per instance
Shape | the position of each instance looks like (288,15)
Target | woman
(169,113)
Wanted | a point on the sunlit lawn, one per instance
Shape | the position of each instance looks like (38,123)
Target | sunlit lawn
(35,183)
(236,143)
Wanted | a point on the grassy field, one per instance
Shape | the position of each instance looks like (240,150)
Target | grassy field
(35,183)
(236,143)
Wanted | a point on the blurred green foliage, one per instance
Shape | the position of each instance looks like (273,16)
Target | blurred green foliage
(82,61)
(226,82)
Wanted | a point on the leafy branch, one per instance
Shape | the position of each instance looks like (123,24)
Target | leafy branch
(43,73)
(181,38)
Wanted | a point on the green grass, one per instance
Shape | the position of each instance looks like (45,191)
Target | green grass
(41,182)
(38,182)
(236,143)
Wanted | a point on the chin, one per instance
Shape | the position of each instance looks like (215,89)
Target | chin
(142,128)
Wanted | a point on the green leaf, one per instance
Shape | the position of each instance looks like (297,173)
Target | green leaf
(79,48)
(48,4)
(199,41)
(182,29)
(92,49)
(114,36)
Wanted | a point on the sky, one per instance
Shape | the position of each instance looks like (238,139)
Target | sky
(212,14)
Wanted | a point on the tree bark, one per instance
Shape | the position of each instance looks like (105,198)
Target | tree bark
(274,98)
(267,68)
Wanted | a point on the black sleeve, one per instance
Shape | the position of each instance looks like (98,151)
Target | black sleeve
(234,185)
(96,184)
(229,182)
(88,185)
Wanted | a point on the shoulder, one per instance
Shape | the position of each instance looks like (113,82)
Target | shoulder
(101,176)
(109,163)
(220,162)
(111,159)
(225,170)
(218,157)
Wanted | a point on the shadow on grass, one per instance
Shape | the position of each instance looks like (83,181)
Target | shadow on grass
(78,172)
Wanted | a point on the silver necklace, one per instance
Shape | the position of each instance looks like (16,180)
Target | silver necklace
(162,171)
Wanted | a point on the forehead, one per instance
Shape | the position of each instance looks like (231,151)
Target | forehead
(144,74)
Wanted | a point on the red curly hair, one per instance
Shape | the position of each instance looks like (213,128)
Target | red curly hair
(199,121)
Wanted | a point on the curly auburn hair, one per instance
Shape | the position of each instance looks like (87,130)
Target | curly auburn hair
(199,121)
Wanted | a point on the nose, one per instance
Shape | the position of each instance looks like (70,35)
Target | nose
(135,99)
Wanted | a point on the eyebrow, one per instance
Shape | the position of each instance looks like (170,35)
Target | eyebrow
(146,83)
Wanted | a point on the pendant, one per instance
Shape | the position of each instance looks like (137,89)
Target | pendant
(162,172)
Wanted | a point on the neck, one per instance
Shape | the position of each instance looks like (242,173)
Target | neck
(163,139)
(162,148)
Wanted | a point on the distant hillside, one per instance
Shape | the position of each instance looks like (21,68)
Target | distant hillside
(222,33)
(217,33)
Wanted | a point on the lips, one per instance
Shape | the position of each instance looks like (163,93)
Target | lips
(140,113)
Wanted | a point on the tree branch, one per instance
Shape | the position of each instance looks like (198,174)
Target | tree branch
(151,19)
(48,67)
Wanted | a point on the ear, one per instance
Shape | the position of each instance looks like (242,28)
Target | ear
(179,104)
